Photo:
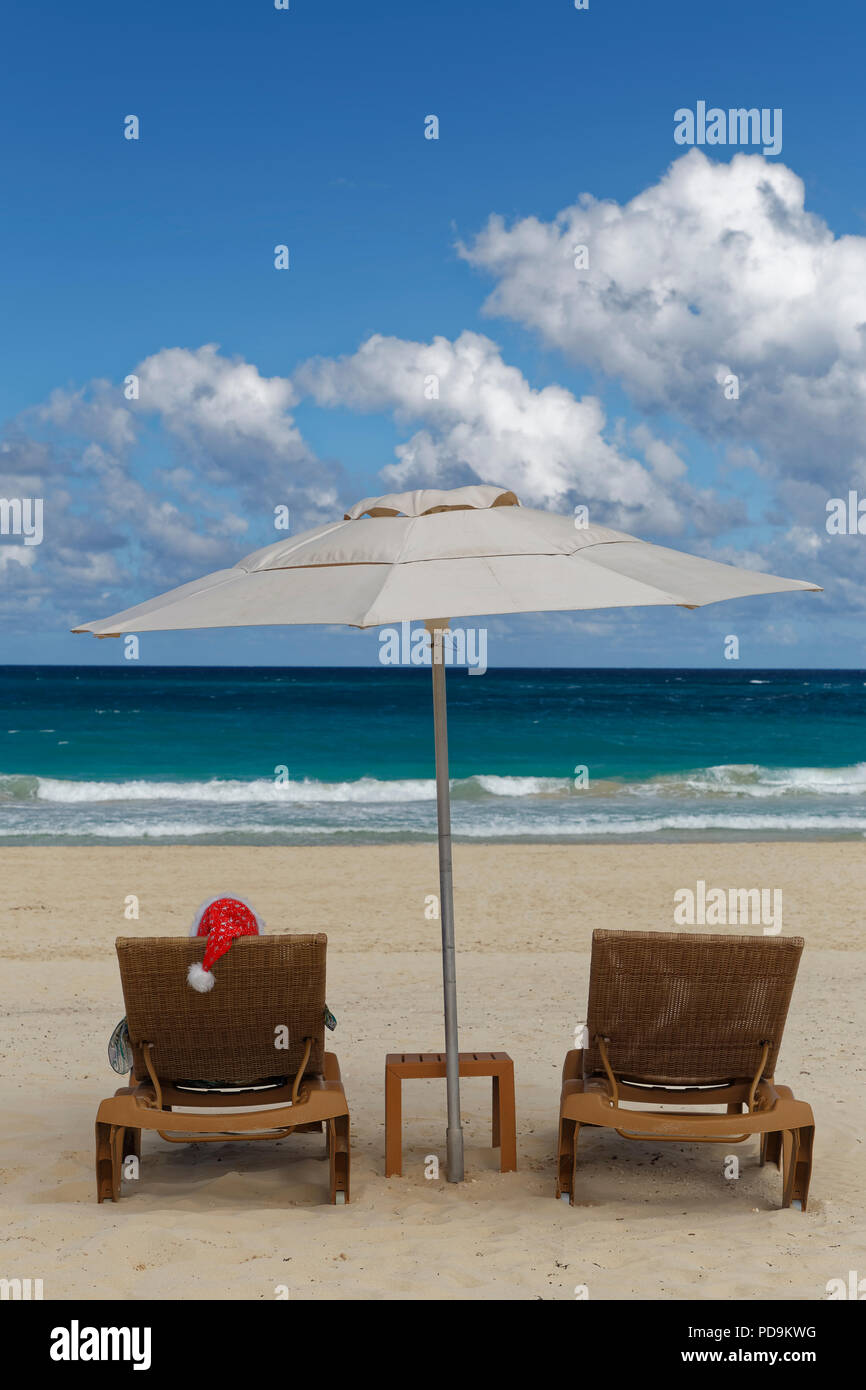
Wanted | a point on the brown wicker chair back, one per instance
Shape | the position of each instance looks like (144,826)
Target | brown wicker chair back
(262,985)
(686,1009)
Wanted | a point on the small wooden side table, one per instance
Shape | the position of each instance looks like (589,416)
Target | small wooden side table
(405,1065)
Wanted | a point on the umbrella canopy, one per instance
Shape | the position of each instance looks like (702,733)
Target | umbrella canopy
(464,552)
(461,553)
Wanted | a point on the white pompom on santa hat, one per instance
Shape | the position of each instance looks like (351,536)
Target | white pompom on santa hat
(220,919)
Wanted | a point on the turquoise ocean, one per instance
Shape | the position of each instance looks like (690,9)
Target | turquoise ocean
(322,756)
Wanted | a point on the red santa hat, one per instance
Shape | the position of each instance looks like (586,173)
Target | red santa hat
(220,919)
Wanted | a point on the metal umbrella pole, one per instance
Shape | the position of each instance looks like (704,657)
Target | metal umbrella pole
(454,1133)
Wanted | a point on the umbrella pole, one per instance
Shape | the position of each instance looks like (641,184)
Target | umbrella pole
(454,1133)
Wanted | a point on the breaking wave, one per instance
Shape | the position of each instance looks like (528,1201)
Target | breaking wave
(725,801)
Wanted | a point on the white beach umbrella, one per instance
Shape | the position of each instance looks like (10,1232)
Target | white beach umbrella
(462,553)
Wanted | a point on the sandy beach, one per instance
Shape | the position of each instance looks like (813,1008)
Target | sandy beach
(239,1221)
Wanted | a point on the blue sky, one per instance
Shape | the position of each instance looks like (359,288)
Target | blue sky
(306,127)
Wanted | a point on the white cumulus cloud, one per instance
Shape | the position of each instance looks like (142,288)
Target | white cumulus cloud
(716,270)
(479,418)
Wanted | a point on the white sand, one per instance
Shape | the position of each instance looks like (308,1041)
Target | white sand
(237,1221)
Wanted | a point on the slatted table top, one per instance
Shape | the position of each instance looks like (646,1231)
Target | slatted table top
(438,1059)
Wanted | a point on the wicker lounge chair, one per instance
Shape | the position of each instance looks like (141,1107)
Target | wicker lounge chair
(700,1013)
(222,1051)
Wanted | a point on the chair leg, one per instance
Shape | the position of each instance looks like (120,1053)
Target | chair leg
(338,1156)
(109,1148)
(495,1130)
(566,1159)
(790,1144)
(771,1147)
(132,1143)
(797,1166)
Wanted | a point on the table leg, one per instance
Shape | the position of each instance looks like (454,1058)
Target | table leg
(507,1121)
(393,1124)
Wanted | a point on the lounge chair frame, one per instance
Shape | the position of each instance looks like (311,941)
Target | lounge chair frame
(228,1033)
(740,988)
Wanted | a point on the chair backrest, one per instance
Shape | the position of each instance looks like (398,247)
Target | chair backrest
(681,1008)
(261,985)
